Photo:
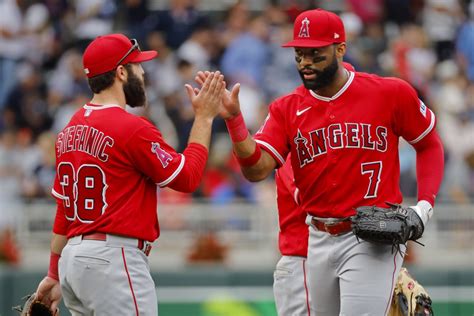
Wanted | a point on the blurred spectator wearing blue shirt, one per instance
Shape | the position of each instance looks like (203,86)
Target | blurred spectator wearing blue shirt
(465,43)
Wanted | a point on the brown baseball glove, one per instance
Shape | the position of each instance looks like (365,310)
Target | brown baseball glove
(409,297)
(33,307)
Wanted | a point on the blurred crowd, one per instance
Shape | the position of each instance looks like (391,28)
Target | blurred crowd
(429,43)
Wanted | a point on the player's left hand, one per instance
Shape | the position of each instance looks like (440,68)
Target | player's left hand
(206,101)
(49,293)
(395,225)
(230,99)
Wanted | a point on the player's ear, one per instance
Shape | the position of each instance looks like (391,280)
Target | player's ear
(340,49)
(121,73)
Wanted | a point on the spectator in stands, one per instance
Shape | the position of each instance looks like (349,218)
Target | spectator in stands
(26,105)
(178,106)
(465,43)
(409,57)
(199,48)
(92,18)
(177,22)
(135,13)
(235,23)
(245,57)
(245,61)
(67,80)
(37,184)
(441,19)
(38,34)
(456,130)
(12,44)
(369,11)
(281,64)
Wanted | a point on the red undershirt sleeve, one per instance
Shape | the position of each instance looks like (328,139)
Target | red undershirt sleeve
(190,177)
(429,166)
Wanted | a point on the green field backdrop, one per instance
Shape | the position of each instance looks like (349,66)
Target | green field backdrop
(223,292)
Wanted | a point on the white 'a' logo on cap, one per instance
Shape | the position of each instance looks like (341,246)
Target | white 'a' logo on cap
(304,30)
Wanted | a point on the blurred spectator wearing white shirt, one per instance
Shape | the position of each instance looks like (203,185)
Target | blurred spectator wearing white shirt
(93,18)
(12,44)
(441,19)
(199,47)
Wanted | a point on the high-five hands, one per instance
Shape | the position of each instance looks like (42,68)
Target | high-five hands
(230,99)
(207,100)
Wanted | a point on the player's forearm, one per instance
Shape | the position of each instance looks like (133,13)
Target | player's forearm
(201,131)
(256,164)
(190,177)
(253,169)
(57,243)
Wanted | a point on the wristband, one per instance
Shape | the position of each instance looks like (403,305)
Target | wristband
(237,130)
(252,159)
(53,266)
(424,210)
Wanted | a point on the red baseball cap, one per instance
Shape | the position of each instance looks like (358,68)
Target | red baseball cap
(107,52)
(317,28)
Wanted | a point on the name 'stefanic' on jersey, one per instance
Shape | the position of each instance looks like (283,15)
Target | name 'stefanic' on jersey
(86,139)
(336,136)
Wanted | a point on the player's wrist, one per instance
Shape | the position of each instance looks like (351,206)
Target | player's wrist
(205,118)
(53,271)
(238,131)
(252,159)
(424,210)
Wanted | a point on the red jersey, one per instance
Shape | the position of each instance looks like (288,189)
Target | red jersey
(108,165)
(344,149)
(293,235)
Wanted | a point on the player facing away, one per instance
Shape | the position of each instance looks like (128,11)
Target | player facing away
(109,165)
(342,129)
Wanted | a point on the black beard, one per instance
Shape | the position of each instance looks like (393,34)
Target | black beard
(323,78)
(134,91)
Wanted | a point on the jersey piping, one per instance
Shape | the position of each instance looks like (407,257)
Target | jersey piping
(175,173)
(295,195)
(57,195)
(101,107)
(432,123)
(339,93)
(273,150)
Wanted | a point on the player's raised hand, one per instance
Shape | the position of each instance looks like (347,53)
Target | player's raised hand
(207,100)
(230,99)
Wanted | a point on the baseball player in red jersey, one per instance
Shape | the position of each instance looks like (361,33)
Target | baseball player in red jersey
(109,165)
(290,286)
(342,129)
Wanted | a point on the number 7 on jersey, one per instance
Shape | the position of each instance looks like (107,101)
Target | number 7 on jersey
(373,169)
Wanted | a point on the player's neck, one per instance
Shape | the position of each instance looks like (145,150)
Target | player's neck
(109,96)
(340,80)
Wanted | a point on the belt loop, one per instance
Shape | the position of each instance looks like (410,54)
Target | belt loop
(309,221)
